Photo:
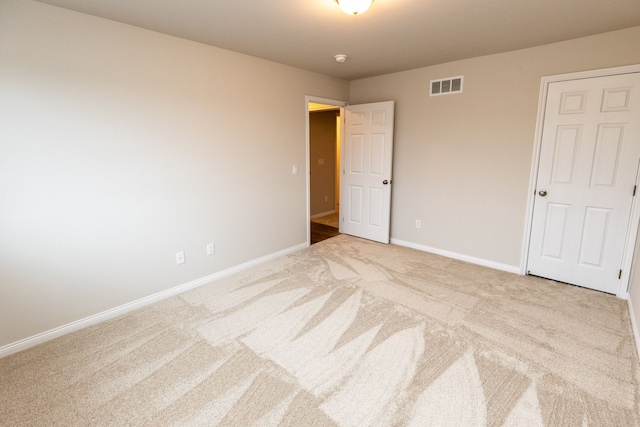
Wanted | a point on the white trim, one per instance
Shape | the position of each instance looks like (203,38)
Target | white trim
(533,176)
(40,338)
(630,245)
(460,257)
(321,214)
(634,326)
(319,100)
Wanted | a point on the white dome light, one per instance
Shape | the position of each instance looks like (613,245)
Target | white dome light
(354,7)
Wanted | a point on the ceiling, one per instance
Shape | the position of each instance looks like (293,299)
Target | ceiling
(393,35)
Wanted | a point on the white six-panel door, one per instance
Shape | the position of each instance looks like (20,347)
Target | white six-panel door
(365,199)
(586,176)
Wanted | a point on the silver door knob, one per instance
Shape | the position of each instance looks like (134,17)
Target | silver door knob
(385,182)
(542,193)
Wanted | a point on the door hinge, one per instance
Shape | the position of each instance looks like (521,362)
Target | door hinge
(620,275)
(635,188)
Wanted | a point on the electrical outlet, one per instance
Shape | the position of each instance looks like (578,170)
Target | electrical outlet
(326,198)
(180,257)
(418,224)
(211,249)
(294,170)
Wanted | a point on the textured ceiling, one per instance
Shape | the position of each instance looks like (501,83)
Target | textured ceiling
(394,35)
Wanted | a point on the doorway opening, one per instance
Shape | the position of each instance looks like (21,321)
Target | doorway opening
(323,166)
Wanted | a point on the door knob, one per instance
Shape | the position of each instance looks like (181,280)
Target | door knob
(543,193)
(385,182)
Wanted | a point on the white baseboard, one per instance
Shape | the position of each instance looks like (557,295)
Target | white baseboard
(634,326)
(134,305)
(460,257)
(320,215)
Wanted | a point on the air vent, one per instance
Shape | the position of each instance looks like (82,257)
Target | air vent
(446,86)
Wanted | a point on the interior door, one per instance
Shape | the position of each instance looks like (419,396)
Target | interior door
(367,155)
(586,180)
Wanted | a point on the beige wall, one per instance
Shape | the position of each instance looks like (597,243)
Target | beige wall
(462,162)
(121,146)
(322,146)
(634,292)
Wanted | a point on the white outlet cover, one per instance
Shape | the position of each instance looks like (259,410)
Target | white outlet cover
(211,249)
(180,257)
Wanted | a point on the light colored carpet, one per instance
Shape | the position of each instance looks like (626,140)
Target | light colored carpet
(345,333)
(330,220)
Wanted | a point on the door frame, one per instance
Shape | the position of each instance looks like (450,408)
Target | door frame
(319,100)
(632,229)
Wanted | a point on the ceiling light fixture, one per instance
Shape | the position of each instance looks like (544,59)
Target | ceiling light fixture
(354,7)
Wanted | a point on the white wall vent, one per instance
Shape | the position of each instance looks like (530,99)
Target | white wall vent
(447,86)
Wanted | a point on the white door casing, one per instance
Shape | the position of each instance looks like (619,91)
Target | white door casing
(367,156)
(588,162)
